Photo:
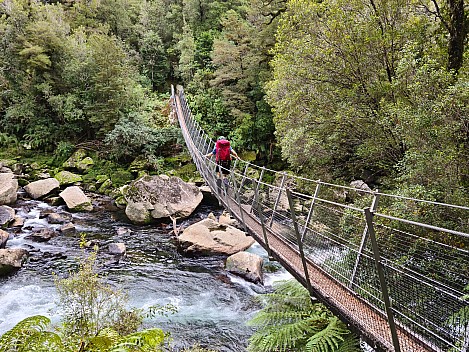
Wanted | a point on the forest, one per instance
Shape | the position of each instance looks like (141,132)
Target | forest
(337,90)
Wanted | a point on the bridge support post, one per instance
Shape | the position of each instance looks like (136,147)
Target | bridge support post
(311,210)
(237,190)
(374,205)
(256,191)
(382,280)
(300,243)
(284,178)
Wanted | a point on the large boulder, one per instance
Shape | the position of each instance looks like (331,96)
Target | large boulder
(41,188)
(76,199)
(11,260)
(8,188)
(247,265)
(7,215)
(157,197)
(209,237)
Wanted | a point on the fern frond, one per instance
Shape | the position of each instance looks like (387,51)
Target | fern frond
(146,340)
(12,339)
(327,339)
(351,343)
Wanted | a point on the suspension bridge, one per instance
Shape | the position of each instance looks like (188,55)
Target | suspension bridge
(378,261)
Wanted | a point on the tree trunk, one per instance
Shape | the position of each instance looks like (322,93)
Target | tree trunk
(457,34)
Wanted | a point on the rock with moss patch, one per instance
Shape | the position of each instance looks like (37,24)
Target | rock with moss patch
(105,186)
(76,199)
(68,178)
(72,162)
(85,164)
(164,196)
(139,212)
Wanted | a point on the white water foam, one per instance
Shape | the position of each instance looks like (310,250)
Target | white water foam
(20,300)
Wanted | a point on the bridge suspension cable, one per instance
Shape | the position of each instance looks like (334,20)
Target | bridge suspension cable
(398,277)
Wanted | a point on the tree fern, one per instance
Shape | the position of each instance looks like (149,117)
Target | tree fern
(290,321)
(29,335)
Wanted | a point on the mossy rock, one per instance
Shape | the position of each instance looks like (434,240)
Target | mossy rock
(100,179)
(85,164)
(186,172)
(68,178)
(8,162)
(121,177)
(120,201)
(105,186)
(72,162)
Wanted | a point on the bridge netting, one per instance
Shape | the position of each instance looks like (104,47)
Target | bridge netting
(394,268)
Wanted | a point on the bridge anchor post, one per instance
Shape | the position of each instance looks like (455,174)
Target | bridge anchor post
(382,280)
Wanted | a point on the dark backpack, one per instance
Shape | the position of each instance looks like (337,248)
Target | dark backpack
(223,150)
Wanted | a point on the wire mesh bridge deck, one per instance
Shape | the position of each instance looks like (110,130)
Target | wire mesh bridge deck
(374,259)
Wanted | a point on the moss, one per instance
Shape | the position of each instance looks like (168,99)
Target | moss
(105,186)
(67,178)
(121,177)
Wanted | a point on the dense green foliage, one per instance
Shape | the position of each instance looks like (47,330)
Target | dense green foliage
(361,89)
(290,321)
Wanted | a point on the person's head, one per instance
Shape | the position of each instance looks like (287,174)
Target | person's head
(221,138)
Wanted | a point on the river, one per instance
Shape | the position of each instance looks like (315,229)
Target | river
(213,305)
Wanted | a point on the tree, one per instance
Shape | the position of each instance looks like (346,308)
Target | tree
(336,91)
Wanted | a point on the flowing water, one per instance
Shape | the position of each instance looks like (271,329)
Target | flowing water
(213,305)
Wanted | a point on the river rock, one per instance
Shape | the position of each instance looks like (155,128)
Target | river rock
(67,228)
(117,248)
(42,235)
(41,188)
(247,265)
(4,236)
(11,260)
(76,199)
(18,221)
(226,219)
(61,218)
(209,237)
(68,178)
(157,197)
(7,215)
(8,188)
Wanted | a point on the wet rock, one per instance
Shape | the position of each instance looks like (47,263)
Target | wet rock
(247,265)
(62,218)
(4,236)
(160,197)
(18,221)
(67,228)
(226,219)
(92,244)
(8,188)
(7,215)
(41,188)
(68,178)
(208,237)
(42,235)
(117,248)
(11,260)
(75,199)
(123,231)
